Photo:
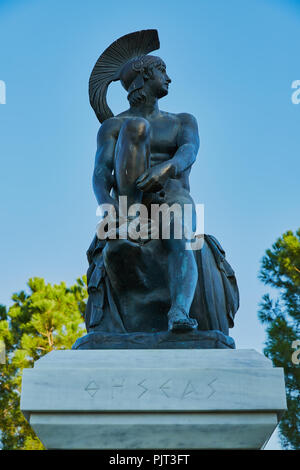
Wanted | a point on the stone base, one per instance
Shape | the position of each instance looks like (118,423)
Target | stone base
(194,339)
(154,431)
(153,399)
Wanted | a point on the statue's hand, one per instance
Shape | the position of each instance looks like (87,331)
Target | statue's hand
(153,179)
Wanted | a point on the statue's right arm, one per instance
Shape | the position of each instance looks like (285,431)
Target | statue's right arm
(103,178)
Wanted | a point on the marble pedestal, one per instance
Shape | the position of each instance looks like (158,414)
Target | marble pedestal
(153,399)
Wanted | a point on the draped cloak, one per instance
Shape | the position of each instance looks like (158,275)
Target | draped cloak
(128,288)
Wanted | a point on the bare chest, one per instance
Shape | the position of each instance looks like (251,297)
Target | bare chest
(164,130)
(163,140)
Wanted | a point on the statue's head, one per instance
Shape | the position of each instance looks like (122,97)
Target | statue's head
(127,60)
(144,76)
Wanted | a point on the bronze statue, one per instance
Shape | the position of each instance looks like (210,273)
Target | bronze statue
(156,285)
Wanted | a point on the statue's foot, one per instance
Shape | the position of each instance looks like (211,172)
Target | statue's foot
(179,320)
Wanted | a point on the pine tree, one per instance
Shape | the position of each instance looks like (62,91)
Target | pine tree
(280,269)
(49,317)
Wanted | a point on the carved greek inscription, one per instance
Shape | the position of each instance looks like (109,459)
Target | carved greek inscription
(92,388)
(189,390)
(212,388)
(170,388)
(117,386)
(164,387)
(143,388)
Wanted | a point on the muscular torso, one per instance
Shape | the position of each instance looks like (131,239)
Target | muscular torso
(169,136)
(163,139)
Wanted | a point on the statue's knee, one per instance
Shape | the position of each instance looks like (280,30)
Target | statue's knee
(137,129)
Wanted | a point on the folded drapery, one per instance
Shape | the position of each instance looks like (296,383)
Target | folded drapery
(128,290)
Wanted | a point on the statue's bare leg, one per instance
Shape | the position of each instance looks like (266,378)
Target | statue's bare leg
(183,276)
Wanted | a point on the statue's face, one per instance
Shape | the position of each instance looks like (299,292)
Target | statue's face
(159,80)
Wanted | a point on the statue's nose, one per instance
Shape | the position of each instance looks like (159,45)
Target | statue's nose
(168,79)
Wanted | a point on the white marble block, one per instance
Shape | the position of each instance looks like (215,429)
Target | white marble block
(153,399)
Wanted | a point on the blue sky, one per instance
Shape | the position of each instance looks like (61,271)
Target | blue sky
(232,65)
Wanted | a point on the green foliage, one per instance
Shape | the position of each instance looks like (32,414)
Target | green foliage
(280,270)
(49,317)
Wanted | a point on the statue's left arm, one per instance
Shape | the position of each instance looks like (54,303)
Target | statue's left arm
(188,144)
(187,149)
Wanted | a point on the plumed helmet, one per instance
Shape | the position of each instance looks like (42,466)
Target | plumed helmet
(124,60)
